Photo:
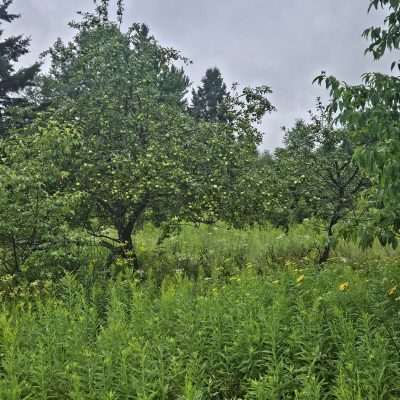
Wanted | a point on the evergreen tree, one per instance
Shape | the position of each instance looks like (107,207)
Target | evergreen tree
(208,99)
(12,82)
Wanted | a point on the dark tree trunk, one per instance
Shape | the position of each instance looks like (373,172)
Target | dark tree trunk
(126,225)
(324,256)
(127,250)
(15,255)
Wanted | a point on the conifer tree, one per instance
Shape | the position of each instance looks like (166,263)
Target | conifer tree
(208,99)
(12,81)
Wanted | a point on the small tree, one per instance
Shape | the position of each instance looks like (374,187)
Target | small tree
(315,176)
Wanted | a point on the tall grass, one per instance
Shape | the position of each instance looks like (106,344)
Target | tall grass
(205,248)
(215,313)
(293,334)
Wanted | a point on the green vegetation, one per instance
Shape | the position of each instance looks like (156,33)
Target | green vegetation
(219,314)
(370,112)
(12,82)
(148,251)
(234,332)
(208,100)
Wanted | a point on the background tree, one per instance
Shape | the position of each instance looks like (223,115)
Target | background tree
(208,101)
(314,176)
(12,81)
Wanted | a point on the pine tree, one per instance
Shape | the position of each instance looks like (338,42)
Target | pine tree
(208,99)
(12,81)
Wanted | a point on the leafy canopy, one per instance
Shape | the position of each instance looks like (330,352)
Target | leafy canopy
(314,176)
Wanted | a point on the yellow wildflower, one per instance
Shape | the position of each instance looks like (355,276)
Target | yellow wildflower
(392,291)
(300,279)
(344,286)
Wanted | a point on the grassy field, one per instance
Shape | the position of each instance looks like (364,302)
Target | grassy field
(215,314)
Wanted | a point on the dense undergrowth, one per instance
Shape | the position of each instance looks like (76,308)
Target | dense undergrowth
(205,248)
(256,320)
(295,334)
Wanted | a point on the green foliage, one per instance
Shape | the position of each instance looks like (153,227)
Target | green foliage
(209,100)
(386,38)
(314,176)
(292,335)
(370,112)
(34,230)
(121,144)
(12,82)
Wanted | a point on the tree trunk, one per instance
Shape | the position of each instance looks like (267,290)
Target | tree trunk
(15,255)
(127,250)
(324,256)
(126,225)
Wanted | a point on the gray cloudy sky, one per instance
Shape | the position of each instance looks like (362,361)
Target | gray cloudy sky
(283,44)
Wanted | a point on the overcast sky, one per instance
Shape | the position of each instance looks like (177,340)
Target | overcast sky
(283,44)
